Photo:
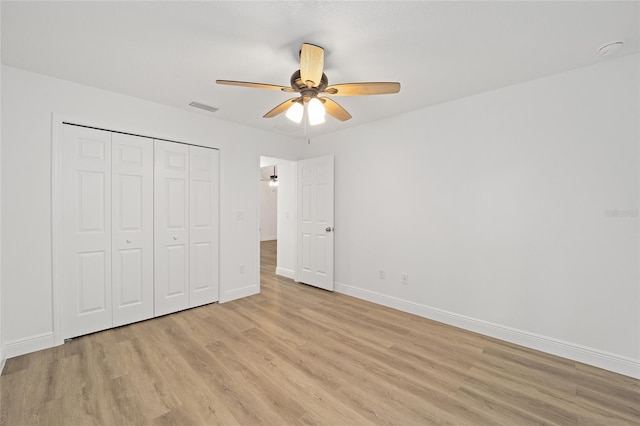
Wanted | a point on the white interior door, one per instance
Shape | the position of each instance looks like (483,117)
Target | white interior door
(132,228)
(203,233)
(86,231)
(315,222)
(171,217)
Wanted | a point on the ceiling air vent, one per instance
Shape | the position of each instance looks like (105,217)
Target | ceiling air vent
(203,106)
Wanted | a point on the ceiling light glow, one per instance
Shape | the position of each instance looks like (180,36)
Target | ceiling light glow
(295,112)
(316,111)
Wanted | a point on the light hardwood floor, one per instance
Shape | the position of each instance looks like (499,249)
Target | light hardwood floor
(298,355)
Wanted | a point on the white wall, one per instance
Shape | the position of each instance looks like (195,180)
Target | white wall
(268,207)
(28,101)
(493,204)
(286,235)
(496,207)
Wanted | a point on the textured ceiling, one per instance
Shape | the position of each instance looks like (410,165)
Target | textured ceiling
(172,52)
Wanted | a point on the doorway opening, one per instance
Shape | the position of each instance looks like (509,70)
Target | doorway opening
(268,218)
(277,206)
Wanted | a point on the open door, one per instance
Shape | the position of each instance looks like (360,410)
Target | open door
(315,222)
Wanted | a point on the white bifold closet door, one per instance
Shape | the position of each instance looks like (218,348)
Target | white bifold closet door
(171,227)
(86,231)
(186,226)
(107,230)
(203,226)
(132,228)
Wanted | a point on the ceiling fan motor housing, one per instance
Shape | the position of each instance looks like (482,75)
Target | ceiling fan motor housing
(299,86)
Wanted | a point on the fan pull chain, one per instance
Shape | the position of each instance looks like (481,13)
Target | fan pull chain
(307,127)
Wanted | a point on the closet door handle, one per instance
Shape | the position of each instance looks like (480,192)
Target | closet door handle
(129,241)
(175,237)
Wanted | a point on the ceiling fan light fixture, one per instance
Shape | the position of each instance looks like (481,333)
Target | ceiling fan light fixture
(295,112)
(316,111)
(273,180)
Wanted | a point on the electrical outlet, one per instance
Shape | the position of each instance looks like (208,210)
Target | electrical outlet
(405,279)
(381,274)
(241,269)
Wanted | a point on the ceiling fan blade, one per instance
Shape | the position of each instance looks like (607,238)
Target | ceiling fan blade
(280,108)
(311,64)
(335,110)
(358,89)
(255,85)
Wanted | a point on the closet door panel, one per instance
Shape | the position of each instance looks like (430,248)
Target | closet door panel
(171,217)
(132,236)
(86,231)
(203,200)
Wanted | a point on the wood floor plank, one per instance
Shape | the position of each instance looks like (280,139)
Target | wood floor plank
(521,396)
(298,355)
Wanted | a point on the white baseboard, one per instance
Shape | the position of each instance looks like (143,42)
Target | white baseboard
(268,238)
(239,293)
(29,344)
(3,359)
(288,273)
(616,363)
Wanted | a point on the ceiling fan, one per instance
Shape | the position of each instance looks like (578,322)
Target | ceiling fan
(309,82)
(273,179)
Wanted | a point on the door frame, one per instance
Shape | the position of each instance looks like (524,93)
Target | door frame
(294,274)
(293,214)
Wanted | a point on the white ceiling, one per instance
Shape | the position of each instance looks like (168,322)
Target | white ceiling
(172,52)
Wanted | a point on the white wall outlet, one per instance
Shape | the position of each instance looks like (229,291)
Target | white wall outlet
(241,269)
(240,215)
(405,279)
(381,274)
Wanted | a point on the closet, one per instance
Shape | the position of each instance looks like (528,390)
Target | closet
(139,228)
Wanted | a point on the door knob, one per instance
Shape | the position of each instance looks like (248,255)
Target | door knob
(129,241)
(328,229)
(175,237)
